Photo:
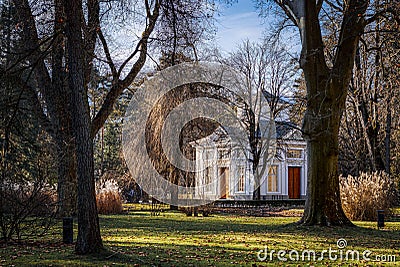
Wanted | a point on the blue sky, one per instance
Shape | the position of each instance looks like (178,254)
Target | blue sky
(238,22)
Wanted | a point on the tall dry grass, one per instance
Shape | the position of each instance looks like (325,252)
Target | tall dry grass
(362,196)
(109,202)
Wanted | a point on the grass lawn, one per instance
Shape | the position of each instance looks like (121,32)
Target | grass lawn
(172,239)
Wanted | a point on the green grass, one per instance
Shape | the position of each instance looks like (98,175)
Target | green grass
(172,239)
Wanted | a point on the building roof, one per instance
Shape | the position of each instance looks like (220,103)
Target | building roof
(284,130)
(281,99)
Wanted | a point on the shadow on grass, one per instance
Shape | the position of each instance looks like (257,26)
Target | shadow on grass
(172,239)
(192,226)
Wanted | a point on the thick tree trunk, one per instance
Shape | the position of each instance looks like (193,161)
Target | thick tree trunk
(61,120)
(89,239)
(323,204)
(326,95)
(325,105)
(321,126)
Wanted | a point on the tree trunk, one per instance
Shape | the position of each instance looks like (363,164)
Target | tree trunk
(61,120)
(174,178)
(323,204)
(66,186)
(256,192)
(321,125)
(54,93)
(89,239)
(325,105)
(257,188)
(326,95)
(387,135)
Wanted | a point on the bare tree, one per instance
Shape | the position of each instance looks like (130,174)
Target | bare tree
(367,126)
(327,76)
(64,104)
(271,74)
(60,61)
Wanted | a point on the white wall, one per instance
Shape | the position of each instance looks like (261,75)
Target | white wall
(237,158)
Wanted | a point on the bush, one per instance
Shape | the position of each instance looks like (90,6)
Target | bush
(26,211)
(362,196)
(109,202)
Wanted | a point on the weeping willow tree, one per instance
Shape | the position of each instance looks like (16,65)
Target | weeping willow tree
(194,130)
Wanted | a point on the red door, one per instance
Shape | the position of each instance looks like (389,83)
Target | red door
(294,182)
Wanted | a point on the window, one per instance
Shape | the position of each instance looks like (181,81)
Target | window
(273,179)
(207,175)
(294,153)
(223,154)
(241,179)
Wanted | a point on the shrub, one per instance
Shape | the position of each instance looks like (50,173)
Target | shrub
(26,211)
(362,196)
(109,202)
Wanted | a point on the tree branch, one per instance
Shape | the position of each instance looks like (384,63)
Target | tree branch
(110,62)
(120,85)
(319,5)
(352,27)
(334,7)
(288,8)
(382,13)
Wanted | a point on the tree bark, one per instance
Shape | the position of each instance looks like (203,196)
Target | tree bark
(323,203)
(257,188)
(66,184)
(89,239)
(388,132)
(174,178)
(326,95)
